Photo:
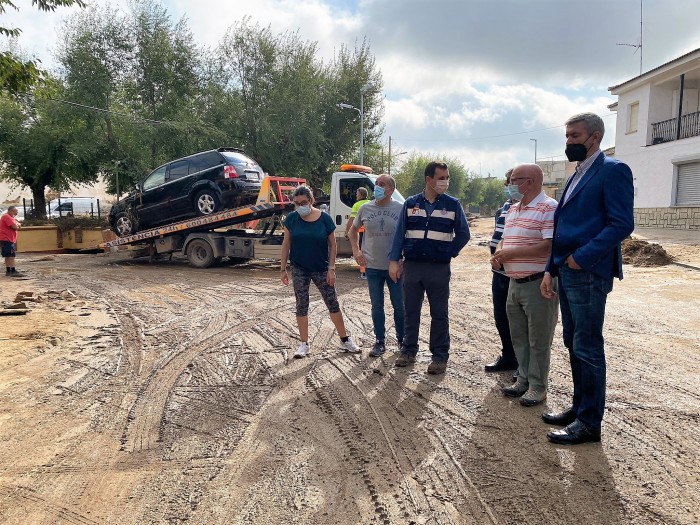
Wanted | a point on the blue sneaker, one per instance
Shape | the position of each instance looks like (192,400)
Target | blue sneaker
(377,350)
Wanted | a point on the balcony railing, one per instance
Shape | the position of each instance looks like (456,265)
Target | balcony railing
(667,130)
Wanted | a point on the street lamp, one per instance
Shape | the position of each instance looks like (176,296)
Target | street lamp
(535,150)
(393,156)
(361,111)
(362,123)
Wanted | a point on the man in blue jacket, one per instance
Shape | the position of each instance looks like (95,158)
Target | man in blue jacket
(432,229)
(593,217)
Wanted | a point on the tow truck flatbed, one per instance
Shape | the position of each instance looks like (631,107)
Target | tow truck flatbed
(209,222)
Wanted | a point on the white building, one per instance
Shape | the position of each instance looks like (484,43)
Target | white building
(658,136)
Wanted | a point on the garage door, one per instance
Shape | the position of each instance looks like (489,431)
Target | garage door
(688,188)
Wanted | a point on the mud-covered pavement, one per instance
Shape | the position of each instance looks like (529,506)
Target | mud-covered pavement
(164,394)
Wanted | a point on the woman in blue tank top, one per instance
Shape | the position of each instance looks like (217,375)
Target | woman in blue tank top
(309,245)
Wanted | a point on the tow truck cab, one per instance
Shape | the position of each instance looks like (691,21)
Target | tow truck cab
(344,184)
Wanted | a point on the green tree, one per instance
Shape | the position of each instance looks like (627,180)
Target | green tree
(16,74)
(45,145)
(288,119)
(410,177)
(94,47)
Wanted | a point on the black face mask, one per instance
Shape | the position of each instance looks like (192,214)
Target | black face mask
(577,152)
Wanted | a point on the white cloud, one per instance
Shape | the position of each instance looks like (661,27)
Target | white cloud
(473,78)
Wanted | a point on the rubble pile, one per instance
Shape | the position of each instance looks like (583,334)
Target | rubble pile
(642,253)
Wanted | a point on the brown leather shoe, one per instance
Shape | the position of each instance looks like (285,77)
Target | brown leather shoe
(534,396)
(517,389)
(405,360)
(437,367)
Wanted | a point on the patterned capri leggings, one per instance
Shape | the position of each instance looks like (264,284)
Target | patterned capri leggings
(301,279)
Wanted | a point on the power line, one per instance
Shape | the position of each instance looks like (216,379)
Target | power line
(108,111)
(492,136)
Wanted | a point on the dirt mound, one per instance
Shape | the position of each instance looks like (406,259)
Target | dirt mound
(641,253)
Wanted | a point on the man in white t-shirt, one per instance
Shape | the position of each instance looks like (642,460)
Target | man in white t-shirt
(379,218)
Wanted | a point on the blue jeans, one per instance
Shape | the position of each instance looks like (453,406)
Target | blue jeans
(375,283)
(499,292)
(582,296)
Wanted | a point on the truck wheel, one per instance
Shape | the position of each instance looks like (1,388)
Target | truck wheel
(206,202)
(200,254)
(124,225)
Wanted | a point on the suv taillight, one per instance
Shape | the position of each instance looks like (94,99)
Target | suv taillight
(230,172)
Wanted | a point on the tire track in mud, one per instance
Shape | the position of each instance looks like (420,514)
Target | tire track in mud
(144,426)
(437,488)
(364,452)
(57,511)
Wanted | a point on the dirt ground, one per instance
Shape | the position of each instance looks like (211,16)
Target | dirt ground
(157,393)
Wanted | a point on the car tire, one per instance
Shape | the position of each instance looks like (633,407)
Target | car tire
(206,202)
(124,224)
(200,254)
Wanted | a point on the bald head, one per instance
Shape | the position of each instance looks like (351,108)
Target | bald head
(529,171)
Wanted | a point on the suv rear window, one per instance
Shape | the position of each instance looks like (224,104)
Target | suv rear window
(205,161)
(238,159)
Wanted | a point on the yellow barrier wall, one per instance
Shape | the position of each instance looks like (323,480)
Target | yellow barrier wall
(48,239)
(82,238)
(38,239)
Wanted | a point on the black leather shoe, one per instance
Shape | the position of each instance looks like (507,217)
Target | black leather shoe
(574,434)
(501,365)
(565,417)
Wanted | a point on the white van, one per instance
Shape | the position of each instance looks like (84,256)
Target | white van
(76,206)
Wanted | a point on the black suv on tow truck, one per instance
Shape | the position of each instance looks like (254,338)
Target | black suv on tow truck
(200,184)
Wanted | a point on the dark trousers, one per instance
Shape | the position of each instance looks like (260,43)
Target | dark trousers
(431,279)
(499,292)
(582,297)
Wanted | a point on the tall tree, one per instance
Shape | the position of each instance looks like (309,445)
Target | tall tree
(163,80)
(43,144)
(16,74)
(94,48)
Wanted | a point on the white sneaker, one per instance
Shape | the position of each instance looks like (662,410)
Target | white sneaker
(302,351)
(350,346)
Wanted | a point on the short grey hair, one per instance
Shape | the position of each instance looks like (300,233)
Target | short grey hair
(392,180)
(363,192)
(12,208)
(592,122)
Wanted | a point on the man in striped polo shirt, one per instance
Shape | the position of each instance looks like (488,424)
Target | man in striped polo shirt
(523,252)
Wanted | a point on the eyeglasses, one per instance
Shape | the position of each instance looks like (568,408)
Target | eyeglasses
(301,203)
(520,178)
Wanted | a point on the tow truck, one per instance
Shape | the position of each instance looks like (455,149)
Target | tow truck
(206,240)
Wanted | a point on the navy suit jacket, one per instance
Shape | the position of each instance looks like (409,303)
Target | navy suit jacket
(595,219)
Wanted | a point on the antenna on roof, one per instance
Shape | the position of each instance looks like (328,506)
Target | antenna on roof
(641,36)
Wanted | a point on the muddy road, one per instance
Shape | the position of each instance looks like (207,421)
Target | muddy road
(157,393)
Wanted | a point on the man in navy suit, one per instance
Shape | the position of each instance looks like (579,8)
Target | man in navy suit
(593,217)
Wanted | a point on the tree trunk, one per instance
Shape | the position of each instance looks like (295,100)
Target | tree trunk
(38,191)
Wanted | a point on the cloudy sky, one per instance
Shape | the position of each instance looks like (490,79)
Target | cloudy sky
(476,79)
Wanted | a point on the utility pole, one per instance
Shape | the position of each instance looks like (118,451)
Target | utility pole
(389,170)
